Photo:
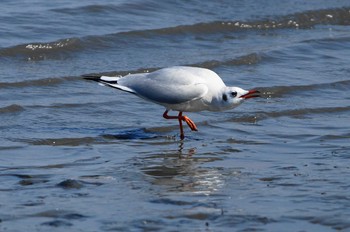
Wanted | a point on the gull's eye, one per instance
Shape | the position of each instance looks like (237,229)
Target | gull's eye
(233,94)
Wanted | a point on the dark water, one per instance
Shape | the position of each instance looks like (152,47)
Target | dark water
(76,156)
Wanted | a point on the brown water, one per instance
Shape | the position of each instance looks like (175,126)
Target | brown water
(76,156)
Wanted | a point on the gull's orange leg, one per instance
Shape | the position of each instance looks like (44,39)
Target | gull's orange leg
(190,123)
(181,118)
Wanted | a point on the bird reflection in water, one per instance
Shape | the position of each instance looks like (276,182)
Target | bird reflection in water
(183,172)
(190,151)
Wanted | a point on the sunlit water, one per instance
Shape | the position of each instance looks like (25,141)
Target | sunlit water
(80,157)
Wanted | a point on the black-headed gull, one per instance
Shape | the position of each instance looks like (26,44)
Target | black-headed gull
(181,88)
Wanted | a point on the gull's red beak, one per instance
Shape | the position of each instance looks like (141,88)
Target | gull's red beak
(251,93)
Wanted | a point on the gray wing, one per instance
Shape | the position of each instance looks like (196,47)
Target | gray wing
(165,86)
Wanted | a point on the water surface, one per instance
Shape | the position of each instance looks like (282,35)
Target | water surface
(78,156)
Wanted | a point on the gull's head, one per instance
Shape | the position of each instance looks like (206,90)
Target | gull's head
(233,96)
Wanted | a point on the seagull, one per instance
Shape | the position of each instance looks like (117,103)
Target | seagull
(182,89)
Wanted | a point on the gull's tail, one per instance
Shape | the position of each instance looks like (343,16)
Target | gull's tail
(109,81)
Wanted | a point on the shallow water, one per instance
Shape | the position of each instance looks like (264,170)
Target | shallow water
(78,156)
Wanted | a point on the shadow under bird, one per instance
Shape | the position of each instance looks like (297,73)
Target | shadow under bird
(182,89)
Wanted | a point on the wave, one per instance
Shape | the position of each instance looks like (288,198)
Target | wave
(139,134)
(303,20)
(42,51)
(93,8)
(14,108)
(115,8)
(60,48)
(279,91)
(51,81)
(62,141)
(303,111)
(249,59)
(296,113)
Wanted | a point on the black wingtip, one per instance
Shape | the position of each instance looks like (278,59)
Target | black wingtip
(91,78)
